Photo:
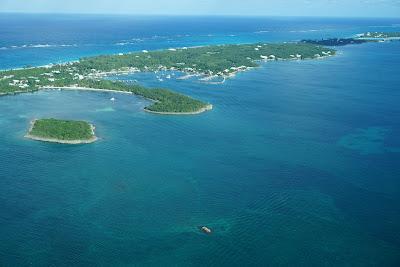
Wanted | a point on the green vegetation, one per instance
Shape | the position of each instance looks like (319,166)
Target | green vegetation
(336,41)
(164,100)
(219,61)
(380,35)
(210,60)
(360,39)
(61,130)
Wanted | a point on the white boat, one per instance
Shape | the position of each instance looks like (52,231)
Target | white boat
(206,230)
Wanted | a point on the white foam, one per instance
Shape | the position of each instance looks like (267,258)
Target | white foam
(38,46)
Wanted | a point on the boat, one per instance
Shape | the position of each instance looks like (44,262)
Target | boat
(112,99)
(206,230)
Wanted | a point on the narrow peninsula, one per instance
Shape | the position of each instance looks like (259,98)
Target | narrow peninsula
(336,41)
(62,131)
(368,37)
(221,62)
(380,36)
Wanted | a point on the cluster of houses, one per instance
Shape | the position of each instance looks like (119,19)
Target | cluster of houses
(7,77)
(50,76)
(297,56)
(19,83)
(375,35)
(270,57)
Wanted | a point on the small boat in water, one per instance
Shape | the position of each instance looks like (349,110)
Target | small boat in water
(206,230)
(112,99)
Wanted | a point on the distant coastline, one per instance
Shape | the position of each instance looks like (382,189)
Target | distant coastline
(219,61)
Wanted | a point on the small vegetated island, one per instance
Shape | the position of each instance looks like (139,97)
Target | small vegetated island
(62,131)
(210,61)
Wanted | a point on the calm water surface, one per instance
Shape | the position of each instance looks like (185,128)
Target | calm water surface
(298,164)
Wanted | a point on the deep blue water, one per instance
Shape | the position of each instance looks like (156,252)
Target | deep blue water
(297,165)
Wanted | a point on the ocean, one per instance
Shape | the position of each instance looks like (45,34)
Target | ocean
(298,164)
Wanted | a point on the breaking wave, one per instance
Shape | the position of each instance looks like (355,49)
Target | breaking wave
(37,46)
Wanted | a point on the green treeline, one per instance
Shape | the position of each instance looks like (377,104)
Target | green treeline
(223,61)
(208,60)
(61,129)
(164,100)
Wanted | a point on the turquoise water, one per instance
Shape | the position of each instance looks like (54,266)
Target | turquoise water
(297,165)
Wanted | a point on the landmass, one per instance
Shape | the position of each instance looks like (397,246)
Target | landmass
(379,35)
(91,73)
(359,39)
(61,131)
(336,41)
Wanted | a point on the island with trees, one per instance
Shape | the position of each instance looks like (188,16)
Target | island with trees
(336,41)
(368,37)
(380,35)
(91,73)
(61,131)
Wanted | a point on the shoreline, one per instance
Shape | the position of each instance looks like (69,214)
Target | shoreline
(207,108)
(77,88)
(59,141)
(207,77)
(210,75)
(17,93)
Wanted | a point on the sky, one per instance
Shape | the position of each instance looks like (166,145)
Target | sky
(335,8)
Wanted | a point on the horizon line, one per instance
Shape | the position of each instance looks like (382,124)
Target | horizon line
(195,15)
